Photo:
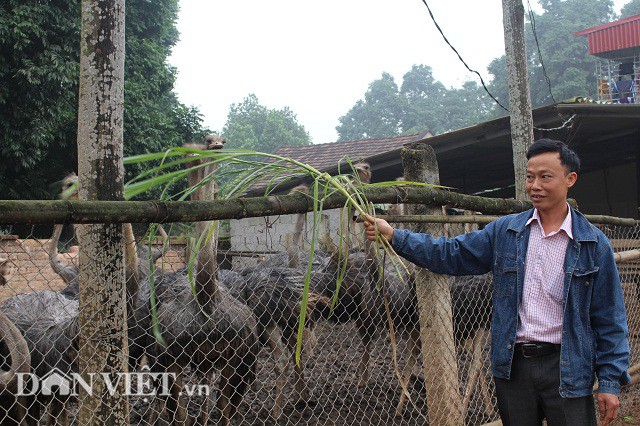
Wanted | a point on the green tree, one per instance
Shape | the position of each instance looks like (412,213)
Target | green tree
(467,106)
(39,45)
(253,126)
(630,9)
(425,98)
(422,103)
(38,94)
(567,62)
(378,115)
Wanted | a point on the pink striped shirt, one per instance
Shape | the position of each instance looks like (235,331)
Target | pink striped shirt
(540,313)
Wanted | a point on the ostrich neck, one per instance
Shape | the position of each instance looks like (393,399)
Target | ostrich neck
(53,248)
(131,274)
(295,247)
(206,287)
(372,262)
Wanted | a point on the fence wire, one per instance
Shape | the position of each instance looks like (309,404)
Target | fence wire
(229,353)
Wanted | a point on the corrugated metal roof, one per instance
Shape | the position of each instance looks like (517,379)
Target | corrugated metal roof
(617,35)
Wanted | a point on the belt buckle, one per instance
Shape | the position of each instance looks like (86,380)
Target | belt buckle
(530,346)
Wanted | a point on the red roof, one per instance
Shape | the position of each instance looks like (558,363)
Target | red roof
(617,35)
(326,157)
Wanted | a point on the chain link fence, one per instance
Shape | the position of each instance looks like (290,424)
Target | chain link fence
(208,350)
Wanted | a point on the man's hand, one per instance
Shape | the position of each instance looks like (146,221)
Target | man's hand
(608,405)
(383,228)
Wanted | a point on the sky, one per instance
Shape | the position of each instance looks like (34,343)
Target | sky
(318,58)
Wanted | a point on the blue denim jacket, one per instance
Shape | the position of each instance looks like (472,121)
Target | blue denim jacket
(594,332)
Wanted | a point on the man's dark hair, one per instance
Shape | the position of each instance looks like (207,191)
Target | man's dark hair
(568,158)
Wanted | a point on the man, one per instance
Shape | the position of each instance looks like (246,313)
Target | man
(559,318)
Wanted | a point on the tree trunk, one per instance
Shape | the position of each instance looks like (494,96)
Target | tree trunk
(102,318)
(519,96)
(434,304)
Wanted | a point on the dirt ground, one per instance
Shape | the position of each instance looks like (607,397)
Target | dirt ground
(335,397)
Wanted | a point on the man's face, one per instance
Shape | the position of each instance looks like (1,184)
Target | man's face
(548,181)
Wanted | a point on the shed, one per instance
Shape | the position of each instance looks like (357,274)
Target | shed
(616,46)
(478,159)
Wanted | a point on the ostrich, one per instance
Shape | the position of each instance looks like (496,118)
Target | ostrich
(4,270)
(48,321)
(275,297)
(275,293)
(68,273)
(471,308)
(363,291)
(15,359)
(353,236)
(133,251)
(212,329)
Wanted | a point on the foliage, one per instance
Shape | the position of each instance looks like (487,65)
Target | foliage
(566,58)
(422,103)
(378,115)
(630,9)
(39,69)
(432,106)
(38,92)
(251,125)
(425,103)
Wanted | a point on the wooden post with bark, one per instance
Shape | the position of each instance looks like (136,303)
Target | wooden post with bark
(434,304)
(102,318)
(519,96)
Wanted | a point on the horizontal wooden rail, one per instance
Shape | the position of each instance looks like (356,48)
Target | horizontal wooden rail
(627,256)
(484,219)
(31,212)
(45,212)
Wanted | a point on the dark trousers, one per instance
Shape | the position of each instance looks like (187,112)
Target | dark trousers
(531,395)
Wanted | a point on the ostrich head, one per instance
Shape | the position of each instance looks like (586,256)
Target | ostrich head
(69,188)
(364,171)
(214,141)
(4,270)
(300,188)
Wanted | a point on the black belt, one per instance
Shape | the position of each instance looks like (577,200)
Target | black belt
(536,349)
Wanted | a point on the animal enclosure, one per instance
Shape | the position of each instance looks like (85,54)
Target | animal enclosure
(361,357)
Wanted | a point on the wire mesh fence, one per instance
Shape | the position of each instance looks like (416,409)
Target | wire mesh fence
(207,344)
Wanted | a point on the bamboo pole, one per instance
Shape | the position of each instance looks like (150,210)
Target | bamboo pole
(484,219)
(33,212)
(627,256)
(76,211)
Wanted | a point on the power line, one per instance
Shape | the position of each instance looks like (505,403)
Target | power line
(565,123)
(460,57)
(532,21)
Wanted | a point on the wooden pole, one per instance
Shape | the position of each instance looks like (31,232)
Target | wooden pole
(434,305)
(637,136)
(102,322)
(46,212)
(519,96)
